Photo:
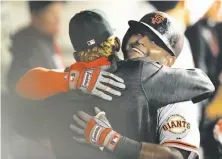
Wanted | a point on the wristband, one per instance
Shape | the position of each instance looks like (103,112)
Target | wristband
(127,149)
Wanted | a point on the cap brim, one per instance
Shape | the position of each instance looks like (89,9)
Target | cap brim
(134,22)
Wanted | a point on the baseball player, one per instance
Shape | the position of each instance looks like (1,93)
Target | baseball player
(135,111)
(176,127)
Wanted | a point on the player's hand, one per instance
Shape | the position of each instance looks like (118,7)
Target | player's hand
(218,131)
(95,130)
(94,81)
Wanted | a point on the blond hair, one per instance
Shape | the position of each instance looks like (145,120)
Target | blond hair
(104,49)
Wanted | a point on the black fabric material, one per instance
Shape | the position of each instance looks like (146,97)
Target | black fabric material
(149,87)
(88,26)
(26,117)
(218,29)
(168,34)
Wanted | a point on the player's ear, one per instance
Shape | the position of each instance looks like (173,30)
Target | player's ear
(170,60)
(118,44)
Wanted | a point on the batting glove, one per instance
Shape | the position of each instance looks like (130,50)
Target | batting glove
(94,81)
(96,130)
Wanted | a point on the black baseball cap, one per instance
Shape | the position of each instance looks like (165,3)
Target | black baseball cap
(88,29)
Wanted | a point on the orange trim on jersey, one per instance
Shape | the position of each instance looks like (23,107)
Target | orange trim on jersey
(179,143)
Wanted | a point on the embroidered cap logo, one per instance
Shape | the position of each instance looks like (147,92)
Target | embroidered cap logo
(91,42)
(157,19)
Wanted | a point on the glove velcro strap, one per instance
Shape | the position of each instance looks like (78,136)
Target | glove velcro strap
(104,135)
(95,75)
(111,140)
(84,79)
(89,128)
(88,80)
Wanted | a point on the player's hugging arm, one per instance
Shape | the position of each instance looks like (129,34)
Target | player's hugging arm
(130,149)
(161,152)
(172,85)
(40,83)
(115,144)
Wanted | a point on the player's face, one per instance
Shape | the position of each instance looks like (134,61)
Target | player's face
(140,45)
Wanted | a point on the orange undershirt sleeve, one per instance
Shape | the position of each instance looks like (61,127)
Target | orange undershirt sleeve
(40,83)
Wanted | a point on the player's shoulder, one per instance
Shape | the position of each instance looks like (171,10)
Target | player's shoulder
(130,66)
(181,104)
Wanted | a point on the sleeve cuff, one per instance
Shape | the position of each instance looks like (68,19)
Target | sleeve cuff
(184,146)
